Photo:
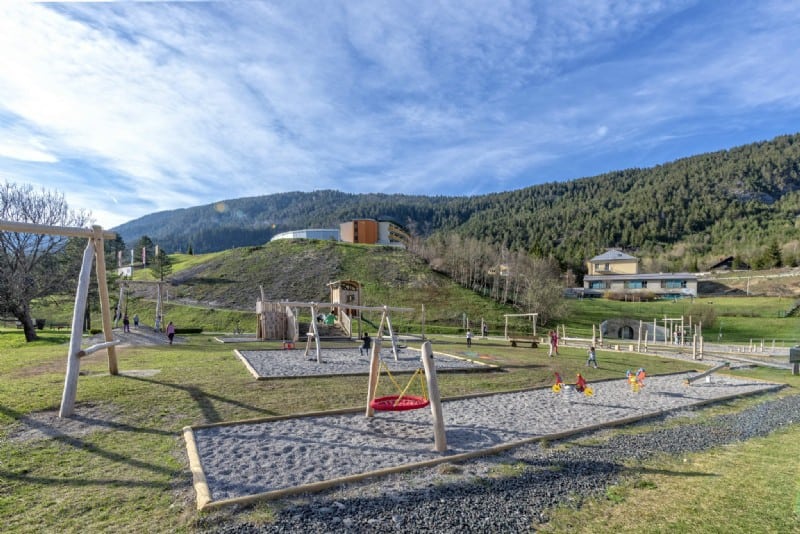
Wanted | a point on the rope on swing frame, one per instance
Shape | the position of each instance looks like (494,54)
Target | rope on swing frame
(402,401)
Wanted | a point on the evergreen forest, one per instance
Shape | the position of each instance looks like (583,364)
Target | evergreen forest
(680,216)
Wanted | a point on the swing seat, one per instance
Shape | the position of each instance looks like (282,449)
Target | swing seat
(397,403)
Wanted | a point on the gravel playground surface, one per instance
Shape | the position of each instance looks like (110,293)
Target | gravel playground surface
(343,361)
(258,457)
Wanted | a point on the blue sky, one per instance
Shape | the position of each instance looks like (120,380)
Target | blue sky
(132,108)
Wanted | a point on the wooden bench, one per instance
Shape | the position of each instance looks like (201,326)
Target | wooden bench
(514,340)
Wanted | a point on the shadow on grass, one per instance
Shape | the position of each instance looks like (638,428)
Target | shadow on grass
(63,437)
(204,399)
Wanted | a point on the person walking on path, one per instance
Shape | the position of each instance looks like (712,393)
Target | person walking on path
(171,332)
(592,357)
(366,344)
(126,324)
(469,337)
(136,320)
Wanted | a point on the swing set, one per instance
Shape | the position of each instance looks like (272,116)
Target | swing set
(402,401)
(404,398)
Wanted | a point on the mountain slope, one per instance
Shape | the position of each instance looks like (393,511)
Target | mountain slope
(684,213)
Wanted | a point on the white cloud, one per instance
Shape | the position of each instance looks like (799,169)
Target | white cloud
(141,107)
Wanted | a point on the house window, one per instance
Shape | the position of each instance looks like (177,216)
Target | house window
(673,284)
(636,284)
(597,284)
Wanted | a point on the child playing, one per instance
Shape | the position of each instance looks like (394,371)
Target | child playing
(592,357)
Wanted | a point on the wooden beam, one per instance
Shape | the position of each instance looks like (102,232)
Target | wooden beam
(68,231)
(98,346)
(105,304)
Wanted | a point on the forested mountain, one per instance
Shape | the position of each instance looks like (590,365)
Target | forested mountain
(742,202)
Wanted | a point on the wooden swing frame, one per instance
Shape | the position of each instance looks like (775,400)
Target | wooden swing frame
(94,253)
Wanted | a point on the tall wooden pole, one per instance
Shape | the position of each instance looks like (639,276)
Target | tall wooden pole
(105,305)
(439,436)
(374,371)
(73,360)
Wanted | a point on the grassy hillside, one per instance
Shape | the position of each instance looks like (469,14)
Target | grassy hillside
(215,291)
(299,270)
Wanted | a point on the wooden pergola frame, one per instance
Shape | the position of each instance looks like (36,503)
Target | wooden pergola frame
(533,317)
(94,251)
(315,306)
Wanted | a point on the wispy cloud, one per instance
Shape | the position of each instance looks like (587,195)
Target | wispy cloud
(132,108)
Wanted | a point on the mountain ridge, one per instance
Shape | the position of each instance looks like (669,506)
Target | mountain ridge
(677,215)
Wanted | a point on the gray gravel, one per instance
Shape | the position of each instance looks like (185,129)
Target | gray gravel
(343,361)
(464,499)
(247,459)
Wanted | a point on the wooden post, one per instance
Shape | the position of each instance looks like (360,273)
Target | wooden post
(439,436)
(639,338)
(423,322)
(694,347)
(682,334)
(391,332)
(73,360)
(600,332)
(700,336)
(594,336)
(315,332)
(159,312)
(118,311)
(105,305)
(374,371)
(262,316)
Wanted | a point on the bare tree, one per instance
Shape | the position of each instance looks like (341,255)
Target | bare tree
(33,265)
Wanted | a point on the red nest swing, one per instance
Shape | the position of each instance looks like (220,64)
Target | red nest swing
(399,403)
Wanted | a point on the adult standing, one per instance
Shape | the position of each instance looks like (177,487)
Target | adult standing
(136,320)
(171,332)
(126,323)
(469,337)
(553,343)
